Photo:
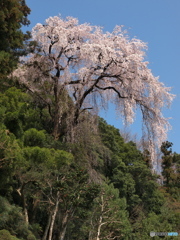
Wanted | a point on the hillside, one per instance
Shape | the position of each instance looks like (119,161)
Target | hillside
(98,187)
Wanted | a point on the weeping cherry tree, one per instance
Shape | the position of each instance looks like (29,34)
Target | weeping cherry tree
(80,64)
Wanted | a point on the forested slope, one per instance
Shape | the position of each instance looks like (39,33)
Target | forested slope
(99,186)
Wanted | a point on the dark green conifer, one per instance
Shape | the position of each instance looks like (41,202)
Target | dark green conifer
(167,162)
(13,14)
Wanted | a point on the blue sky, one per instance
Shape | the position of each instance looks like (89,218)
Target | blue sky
(153,21)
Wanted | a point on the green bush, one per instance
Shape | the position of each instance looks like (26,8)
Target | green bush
(31,237)
(33,137)
(5,235)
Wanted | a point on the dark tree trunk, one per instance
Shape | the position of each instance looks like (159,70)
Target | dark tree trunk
(56,123)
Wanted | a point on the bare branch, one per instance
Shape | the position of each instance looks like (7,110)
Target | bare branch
(113,88)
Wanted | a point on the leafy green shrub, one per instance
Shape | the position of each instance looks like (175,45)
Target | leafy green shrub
(13,221)
(33,137)
(31,237)
(5,235)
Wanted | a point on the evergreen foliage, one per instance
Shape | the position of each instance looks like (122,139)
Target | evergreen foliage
(13,14)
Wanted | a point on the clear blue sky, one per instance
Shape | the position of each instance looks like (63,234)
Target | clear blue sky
(156,22)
